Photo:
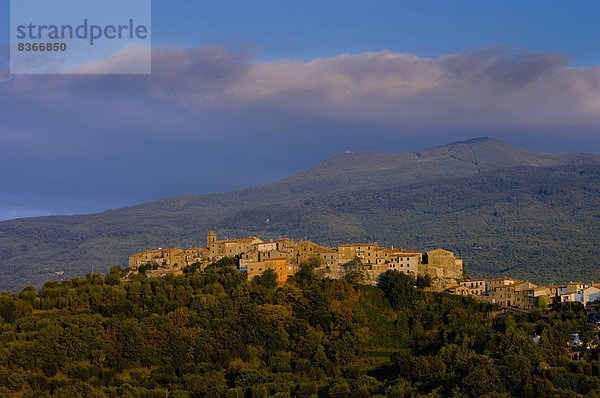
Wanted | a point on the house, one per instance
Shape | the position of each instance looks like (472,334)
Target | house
(524,296)
(583,296)
(229,247)
(459,290)
(403,261)
(161,257)
(281,266)
(477,287)
(573,287)
(196,255)
(502,291)
(364,251)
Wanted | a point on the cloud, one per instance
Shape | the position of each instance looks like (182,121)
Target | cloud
(131,59)
(481,88)
(489,87)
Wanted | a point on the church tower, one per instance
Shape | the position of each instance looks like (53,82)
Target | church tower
(211,239)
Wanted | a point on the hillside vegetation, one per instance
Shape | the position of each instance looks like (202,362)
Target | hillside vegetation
(213,334)
(535,221)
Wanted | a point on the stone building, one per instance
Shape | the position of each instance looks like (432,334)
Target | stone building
(196,255)
(443,268)
(502,291)
(145,257)
(230,247)
(364,251)
(403,261)
(168,257)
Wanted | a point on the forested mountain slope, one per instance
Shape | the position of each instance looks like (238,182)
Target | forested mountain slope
(458,196)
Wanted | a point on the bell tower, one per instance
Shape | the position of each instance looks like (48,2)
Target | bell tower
(211,239)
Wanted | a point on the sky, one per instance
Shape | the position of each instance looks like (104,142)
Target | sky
(246,93)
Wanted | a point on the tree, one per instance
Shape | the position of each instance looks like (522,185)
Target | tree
(398,288)
(483,380)
(227,262)
(268,279)
(423,281)
(355,264)
(305,275)
(11,309)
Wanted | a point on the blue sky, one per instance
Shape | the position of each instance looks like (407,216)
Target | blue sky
(309,29)
(245,93)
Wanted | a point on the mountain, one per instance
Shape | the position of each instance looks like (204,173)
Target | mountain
(537,223)
(504,209)
(362,170)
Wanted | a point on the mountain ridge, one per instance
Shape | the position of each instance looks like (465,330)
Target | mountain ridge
(33,250)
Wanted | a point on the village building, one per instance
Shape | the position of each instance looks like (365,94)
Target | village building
(502,290)
(145,257)
(442,266)
(264,246)
(329,257)
(584,295)
(459,290)
(363,251)
(196,255)
(477,287)
(551,290)
(572,287)
(281,266)
(231,247)
(161,257)
(403,261)
(523,295)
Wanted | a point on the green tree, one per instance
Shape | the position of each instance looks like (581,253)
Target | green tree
(268,279)
(423,281)
(306,274)
(398,288)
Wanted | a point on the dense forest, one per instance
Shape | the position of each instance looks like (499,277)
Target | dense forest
(212,333)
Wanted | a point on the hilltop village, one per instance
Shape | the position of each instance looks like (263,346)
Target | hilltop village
(441,267)
(283,256)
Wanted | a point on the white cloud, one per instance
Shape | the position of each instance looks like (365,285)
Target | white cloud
(490,88)
(132,59)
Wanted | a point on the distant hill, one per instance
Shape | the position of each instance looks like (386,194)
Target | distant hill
(506,210)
